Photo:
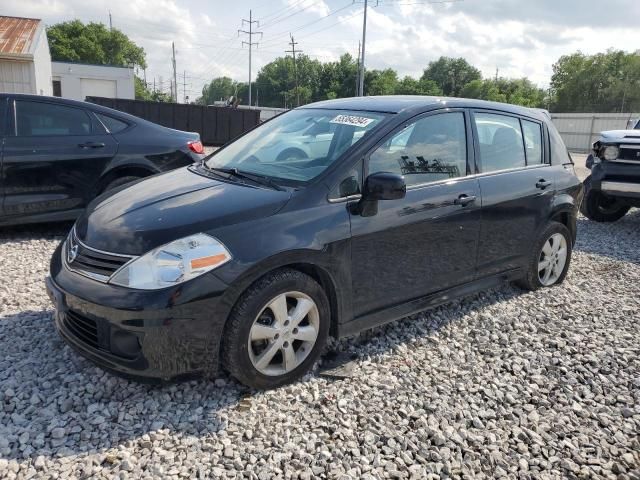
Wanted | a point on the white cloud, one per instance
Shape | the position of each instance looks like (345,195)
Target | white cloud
(522,39)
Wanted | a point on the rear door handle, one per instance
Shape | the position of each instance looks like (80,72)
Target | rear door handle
(91,145)
(542,184)
(464,200)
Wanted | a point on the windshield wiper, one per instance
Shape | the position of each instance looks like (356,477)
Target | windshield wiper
(254,177)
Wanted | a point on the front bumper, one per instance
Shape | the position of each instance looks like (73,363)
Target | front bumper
(162,335)
(617,179)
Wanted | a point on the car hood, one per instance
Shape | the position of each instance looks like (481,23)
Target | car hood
(170,206)
(631,136)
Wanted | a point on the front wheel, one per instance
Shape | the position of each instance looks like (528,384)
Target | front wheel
(599,207)
(550,258)
(277,330)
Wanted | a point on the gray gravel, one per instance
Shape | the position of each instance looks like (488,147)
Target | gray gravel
(502,384)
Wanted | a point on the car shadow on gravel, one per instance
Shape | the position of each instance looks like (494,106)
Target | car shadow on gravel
(54,403)
(617,240)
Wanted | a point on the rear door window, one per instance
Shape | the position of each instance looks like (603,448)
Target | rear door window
(500,141)
(48,119)
(533,142)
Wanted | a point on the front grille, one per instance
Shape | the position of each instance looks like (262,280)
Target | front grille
(90,262)
(83,328)
(629,153)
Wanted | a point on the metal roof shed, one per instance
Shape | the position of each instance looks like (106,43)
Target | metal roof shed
(25,62)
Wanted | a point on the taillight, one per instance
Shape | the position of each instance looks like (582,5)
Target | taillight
(196,147)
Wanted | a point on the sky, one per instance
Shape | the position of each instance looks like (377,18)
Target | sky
(520,38)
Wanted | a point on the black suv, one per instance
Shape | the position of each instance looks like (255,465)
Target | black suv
(614,184)
(252,258)
(57,155)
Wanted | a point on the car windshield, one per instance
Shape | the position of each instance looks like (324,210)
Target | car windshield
(296,146)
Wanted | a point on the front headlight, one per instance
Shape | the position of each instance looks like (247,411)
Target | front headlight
(173,263)
(610,152)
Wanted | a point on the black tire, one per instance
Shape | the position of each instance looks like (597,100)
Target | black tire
(291,154)
(118,182)
(599,207)
(531,280)
(235,354)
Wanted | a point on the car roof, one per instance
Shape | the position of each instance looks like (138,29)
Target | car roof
(77,103)
(409,103)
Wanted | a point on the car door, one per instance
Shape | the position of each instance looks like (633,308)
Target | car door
(517,188)
(53,157)
(427,241)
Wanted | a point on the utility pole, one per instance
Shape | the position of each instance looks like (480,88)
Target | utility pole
(358,71)
(110,24)
(175,75)
(250,43)
(184,86)
(295,68)
(364,38)
(497,71)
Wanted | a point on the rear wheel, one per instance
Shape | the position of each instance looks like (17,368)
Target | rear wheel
(550,258)
(277,330)
(600,207)
(118,182)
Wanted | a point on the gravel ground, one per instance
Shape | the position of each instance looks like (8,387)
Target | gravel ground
(501,384)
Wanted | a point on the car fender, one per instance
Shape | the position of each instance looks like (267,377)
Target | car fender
(329,267)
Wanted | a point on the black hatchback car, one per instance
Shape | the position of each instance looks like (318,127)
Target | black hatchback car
(57,155)
(251,259)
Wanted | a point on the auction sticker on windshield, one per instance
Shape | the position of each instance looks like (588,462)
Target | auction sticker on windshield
(353,120)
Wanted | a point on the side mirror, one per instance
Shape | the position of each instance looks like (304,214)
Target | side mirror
(384,186)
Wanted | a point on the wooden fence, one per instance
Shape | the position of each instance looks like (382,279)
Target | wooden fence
(216,125)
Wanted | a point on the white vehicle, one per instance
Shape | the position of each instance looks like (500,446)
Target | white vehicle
(301,140)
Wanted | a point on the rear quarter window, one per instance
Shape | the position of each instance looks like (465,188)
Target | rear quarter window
(559,152)
(113,125)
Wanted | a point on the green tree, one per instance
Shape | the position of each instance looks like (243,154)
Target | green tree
(220,88)
(604,82)
(411,86)
(94,43)
(514,91)
(143,93)
(451,74)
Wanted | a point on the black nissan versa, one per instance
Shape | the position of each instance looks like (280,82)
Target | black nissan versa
(251,259)
(56,155)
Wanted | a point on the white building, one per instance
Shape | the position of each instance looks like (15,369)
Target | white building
(78,81)
(25,63)
(26,67)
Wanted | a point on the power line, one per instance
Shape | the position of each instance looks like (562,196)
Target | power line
(250,43)
(281,19)
(301,27)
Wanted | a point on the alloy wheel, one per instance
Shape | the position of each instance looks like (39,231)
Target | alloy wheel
(283,334)
(552,260)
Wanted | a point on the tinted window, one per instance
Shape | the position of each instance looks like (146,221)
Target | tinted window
(430,149)
(3,115)
(113,125)
(500,139)
(533,142)
(559,153)
(35,118)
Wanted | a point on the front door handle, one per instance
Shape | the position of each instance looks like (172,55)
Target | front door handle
(464,200)
(542,184)
(91,145)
